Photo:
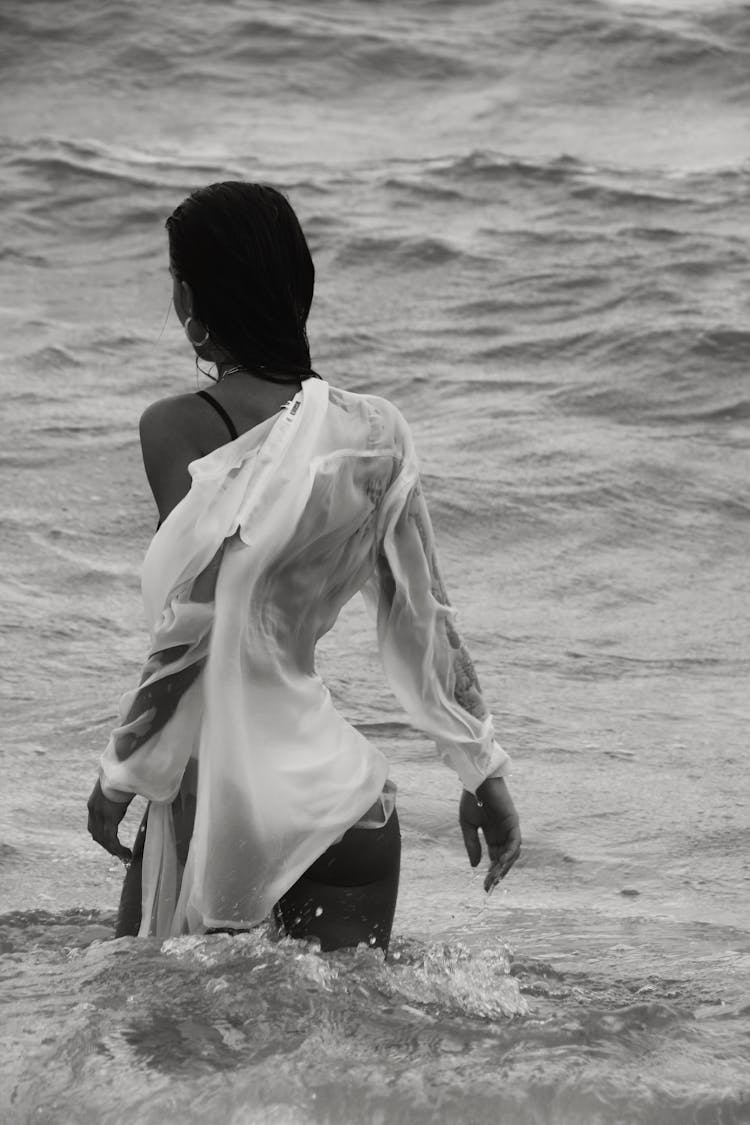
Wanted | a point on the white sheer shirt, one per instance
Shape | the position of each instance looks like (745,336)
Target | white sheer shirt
(281,527)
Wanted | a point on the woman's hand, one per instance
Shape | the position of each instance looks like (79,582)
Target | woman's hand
(493,811)
(104,817)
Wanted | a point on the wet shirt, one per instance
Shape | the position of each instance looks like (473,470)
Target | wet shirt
(280,529)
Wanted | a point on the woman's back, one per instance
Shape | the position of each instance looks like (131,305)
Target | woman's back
(331,550)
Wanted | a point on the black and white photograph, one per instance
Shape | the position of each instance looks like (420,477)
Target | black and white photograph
(375,562)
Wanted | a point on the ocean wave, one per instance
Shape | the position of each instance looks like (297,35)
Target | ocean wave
(496,167)
(403,50)
(406,251)
(19,255)
(555,346)
(568,178)
(44,930)
(52,358)
(600,48)
(593,666)
(122,188)
(727,344)
(391,40)
(58,158)
(587,51)
(478,175)
(726,413)
(298,43)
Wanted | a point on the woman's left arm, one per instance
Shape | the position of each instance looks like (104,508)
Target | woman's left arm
(432,674)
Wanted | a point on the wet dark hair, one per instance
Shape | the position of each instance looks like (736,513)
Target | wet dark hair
(241,249)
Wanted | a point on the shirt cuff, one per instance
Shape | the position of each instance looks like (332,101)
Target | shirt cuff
(475,762)
(121,796)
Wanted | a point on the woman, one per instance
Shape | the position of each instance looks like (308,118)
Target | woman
(279,498)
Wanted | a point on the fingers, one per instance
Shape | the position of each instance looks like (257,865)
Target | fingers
(104,832)
(502,861)
(492,812)
(116,848)
(471,842)
(106,836)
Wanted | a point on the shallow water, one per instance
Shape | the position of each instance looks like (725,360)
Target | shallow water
(529,227)
(249,1028)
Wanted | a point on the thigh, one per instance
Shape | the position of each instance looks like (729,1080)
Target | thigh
(348,896)
(129,912)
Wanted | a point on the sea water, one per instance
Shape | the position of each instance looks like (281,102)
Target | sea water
(530,227)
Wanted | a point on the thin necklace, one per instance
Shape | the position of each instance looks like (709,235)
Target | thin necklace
(241,367)
(230,371)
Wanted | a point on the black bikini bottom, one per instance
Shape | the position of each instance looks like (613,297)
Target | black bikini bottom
(347,896)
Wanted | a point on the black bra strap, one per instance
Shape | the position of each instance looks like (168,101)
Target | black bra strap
(220,411)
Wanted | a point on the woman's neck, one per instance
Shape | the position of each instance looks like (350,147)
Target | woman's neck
(236,383)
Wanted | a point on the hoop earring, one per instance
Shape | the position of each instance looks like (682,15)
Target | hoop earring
(195,343)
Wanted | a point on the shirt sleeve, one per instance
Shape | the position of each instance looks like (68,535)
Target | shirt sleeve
(426,662)
(159,720)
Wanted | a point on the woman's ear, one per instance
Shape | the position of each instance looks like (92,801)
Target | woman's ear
(187,298)
(182,295)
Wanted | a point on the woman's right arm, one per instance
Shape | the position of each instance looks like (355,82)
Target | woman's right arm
(148,750)
(170,440)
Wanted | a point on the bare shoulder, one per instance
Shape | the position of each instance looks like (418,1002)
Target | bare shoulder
(175,416)
(171,437)
(173,426)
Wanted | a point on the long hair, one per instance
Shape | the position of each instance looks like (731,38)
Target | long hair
(241,249)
